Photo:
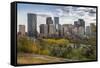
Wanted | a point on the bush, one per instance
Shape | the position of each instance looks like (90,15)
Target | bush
(58,42)
(26,45)
(56,47)
(45,52)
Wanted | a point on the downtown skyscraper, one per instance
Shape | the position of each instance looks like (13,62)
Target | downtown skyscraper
(57,26)
(43,30)
(32,25)
(80,26)
(48,22)
(56,22)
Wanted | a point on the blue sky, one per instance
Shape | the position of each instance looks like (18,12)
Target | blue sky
(67,14)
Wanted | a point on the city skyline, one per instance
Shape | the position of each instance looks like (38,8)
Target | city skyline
(52,28)
(66,14)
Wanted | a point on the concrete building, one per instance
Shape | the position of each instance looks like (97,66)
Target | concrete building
(57,26)
(68,28)
(81,31)
(93,29)
(75,30)
(81,22)
(88,31)
(76,24)
(43,30)
(49,20)
(65,30)
(61,31)
(22,30)
(52,30)
(56,20)
(32,25)
(80,25)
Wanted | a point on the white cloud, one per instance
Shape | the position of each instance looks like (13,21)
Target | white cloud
(67,14)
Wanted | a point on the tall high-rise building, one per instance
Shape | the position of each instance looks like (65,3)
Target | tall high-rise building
(76,24)
(93,29)
(57,26)
(61,31)
(56,20)
(32,25)
(52,30)
(81,31)
(75,30)
(43,30)
(80,25)
(65,29)
(49,20)
(81,22)
(22,30)
(88,31)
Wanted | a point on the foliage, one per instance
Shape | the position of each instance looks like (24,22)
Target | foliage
(26,45)
(59,48)
(57,42)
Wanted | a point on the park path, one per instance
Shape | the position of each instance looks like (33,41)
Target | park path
(49,59)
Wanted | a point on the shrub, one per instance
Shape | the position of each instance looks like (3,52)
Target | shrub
(26,45)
